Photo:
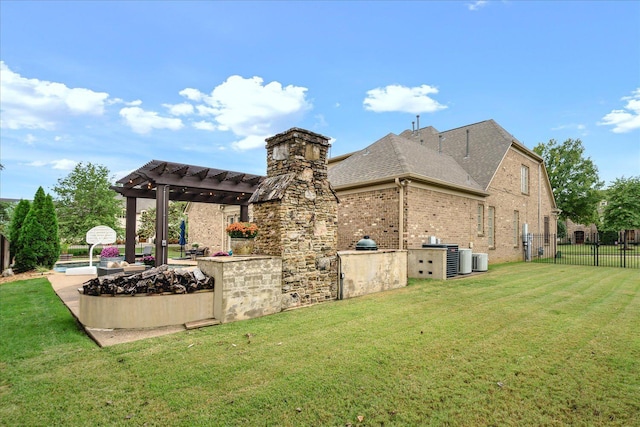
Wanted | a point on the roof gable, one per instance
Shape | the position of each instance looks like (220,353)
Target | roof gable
(478,148)
(394,156)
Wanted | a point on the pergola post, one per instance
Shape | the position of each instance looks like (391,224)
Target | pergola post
(244,213)
(130,231)
(162,224)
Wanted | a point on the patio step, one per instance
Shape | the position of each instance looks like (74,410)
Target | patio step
(201,323)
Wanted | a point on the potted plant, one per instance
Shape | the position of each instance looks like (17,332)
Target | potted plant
(110,254)
(242,235)
(149,260)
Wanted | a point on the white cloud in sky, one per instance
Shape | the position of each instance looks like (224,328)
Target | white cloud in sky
(192,94)
(202,125)
(62,164)
(249,108)
(476,5)
(30,139)
(39,104)
(626,119)
(404,99)
(182,109)
(142,121)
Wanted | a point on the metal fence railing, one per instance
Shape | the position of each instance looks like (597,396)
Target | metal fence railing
(598,249)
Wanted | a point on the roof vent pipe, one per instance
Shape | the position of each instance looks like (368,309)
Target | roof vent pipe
(439,143)
(413,128)
(467,155)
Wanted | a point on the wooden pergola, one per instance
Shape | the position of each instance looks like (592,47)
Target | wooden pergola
(164,181)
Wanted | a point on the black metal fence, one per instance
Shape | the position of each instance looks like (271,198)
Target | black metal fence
(598,249)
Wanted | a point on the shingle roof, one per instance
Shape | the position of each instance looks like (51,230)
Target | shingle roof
(488,144)
(394,156)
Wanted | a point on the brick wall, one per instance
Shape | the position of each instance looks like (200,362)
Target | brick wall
(373,213)
(451,215)
(207,224)
(507,197)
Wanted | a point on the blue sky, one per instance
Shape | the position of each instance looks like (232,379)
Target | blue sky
(121,83)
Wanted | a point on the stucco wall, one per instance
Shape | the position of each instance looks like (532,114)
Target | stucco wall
(245,287)
(428,263)
(144,311)
(367,272)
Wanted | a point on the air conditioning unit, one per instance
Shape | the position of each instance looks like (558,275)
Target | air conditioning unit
(480,262)
(465,261)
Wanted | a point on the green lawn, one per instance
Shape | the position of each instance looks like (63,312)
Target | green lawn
(524,344)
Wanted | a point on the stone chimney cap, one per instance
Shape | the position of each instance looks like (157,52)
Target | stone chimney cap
(298,133)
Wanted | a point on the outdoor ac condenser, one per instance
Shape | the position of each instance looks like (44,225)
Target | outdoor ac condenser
(480,262)
(465,261)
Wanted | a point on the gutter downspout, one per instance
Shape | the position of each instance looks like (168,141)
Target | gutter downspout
(540,231)
(401,185)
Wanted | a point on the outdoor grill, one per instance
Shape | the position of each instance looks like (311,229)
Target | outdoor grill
(366,244)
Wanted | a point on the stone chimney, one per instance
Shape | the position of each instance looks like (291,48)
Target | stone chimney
(296,213)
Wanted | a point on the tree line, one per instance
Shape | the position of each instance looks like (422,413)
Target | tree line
(84,199)
(578,190)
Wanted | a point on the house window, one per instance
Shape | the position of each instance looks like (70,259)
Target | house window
(546,230)
(491,226)
(516,229)
(524,179)
(480,219)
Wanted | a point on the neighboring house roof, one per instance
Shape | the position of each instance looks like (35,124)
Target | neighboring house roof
(394,156)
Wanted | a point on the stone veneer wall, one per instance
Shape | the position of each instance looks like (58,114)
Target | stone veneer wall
(245,288)
(296,212)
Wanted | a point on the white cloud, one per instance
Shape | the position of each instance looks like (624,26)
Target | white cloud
(570,126)
(250,142)
(30,139)
(627,119)
(477,5)
(192,94)
(64,164)
(401,98)
(182,109)
(202,125)
(40,104)
(249,108)
(142,121)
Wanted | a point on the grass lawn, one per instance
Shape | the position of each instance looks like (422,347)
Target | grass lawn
(524,344)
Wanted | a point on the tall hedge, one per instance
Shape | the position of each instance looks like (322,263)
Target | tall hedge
(38,237)
(19,215)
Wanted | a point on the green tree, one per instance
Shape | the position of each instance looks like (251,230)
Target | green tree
(147,227)
(37,247)
(85,200)
(52,238)
(622,212)
(19,215)
(574,179)
(6,214)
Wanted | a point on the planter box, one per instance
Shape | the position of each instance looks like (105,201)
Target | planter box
(104,262)
(242,245)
